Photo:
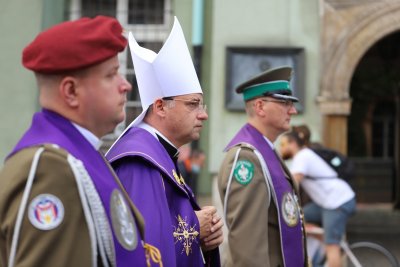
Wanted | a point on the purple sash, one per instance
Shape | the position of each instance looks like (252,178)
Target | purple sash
(291,235)
(51,128)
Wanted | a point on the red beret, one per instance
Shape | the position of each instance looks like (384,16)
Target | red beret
(75,44)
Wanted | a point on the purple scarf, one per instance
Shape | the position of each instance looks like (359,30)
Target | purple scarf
(290,230)
(51,128)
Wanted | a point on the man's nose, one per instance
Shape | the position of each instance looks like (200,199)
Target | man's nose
(125,85)
(202,115)
(292,110)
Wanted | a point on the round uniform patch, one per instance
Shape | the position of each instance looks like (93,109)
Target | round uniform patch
(244,172)
(290,212)
(46,212)
(122,221)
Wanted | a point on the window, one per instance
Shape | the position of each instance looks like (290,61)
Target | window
(146,12)
(150,22)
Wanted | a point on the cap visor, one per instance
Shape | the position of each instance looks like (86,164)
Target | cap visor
(285,97)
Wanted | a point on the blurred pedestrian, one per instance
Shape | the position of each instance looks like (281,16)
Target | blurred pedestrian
(333,200)
(191,166)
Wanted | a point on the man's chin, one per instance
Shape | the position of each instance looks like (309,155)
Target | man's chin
(195,136)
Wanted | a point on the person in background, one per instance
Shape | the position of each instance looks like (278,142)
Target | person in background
(145,156)
(190,167)
(333,200)
(261,208)
(60,202)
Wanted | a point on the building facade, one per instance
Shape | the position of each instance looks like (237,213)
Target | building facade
(330,44)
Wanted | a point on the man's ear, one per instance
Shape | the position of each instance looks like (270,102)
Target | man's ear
(68,89)
(258,107)
(159,108)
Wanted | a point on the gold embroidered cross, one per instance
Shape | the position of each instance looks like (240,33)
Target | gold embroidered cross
(185,234)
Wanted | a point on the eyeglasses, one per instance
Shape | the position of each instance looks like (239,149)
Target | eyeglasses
(191,104)
(287,103)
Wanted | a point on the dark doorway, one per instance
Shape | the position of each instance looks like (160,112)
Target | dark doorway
(373,135)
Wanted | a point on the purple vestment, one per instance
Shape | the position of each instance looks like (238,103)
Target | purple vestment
(51,128)
(166,203)
(284,196)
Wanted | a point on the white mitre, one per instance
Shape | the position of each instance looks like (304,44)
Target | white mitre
(169,73)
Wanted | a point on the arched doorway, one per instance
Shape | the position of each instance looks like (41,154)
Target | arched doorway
(373,124)
(349,31)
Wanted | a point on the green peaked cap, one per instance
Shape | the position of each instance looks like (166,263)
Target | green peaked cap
(274,82)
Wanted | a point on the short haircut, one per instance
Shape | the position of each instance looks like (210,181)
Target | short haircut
(249,107)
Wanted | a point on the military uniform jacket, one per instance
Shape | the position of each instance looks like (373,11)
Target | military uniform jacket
(250,210)
(74,213)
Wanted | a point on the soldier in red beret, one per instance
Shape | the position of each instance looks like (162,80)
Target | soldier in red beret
(60,202)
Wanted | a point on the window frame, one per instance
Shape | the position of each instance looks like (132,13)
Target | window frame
(142,32)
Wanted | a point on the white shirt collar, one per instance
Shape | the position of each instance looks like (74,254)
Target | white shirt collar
(89,136)
(154,132)
(269,143)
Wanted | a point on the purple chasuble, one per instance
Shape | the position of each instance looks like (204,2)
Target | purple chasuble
(290,224)
(166,203)
(51,128)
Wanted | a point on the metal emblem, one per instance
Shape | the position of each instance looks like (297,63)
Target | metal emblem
(123,224)
(290,211)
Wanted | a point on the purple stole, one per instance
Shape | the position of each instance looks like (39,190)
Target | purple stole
(137,145)
(291,235)
(51,128)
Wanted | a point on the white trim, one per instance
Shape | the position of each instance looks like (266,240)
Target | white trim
(22,206)
(96,211)
(228,187)
(93,210)
(267,176)
(74,164)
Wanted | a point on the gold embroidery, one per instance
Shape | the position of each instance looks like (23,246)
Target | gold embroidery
(153,254)
(182,180)
(178,179)
(185,234)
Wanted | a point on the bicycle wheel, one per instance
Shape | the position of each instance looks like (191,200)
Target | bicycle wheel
(370,255)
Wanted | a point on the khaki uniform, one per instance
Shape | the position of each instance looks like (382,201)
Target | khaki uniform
(251,215)
(66,245)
